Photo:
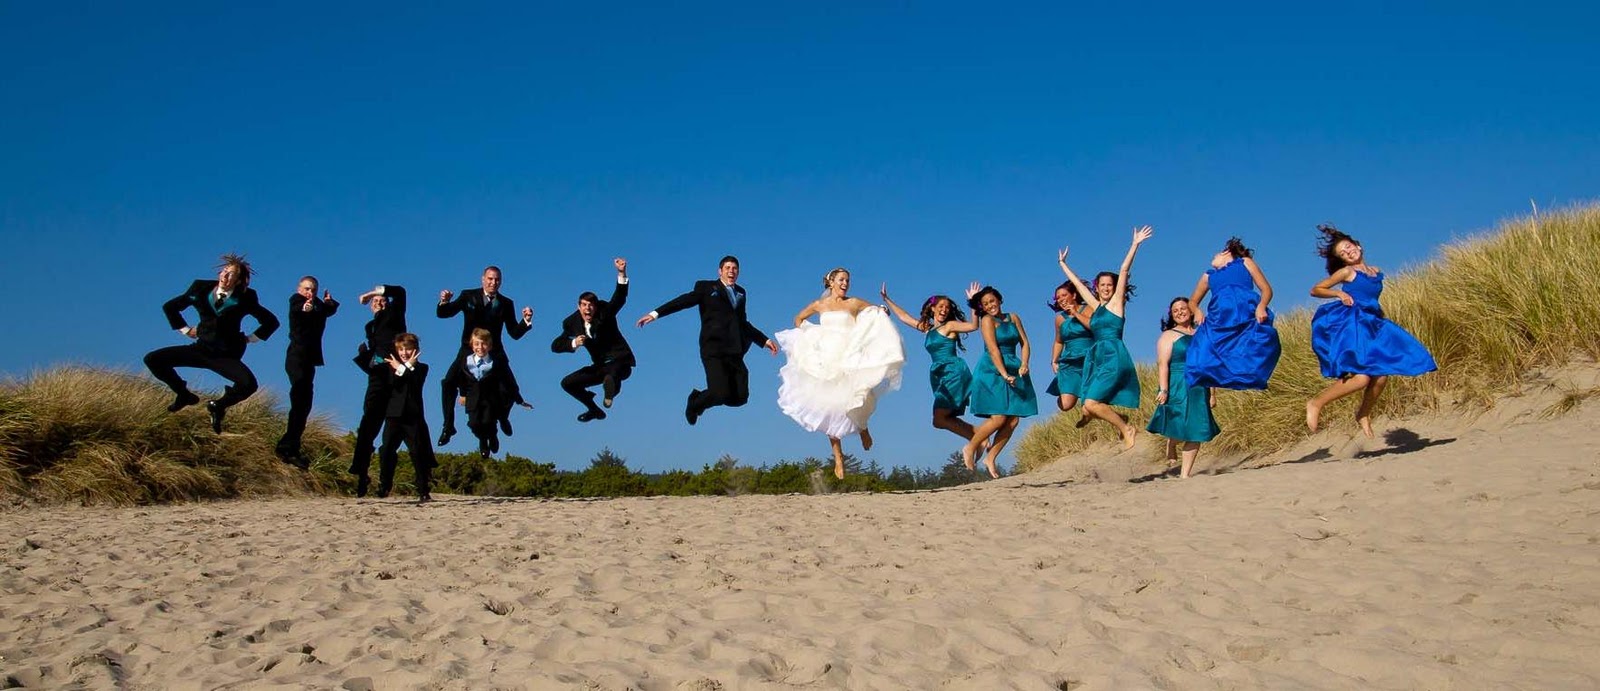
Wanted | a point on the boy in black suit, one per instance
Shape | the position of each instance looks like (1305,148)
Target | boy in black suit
(481,308)
(219,338)
(725,336)
(404,420)
(388,305)
(308,317)
(486,392)
(593,327)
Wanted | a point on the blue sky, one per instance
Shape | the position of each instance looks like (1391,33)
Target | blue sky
(923,144)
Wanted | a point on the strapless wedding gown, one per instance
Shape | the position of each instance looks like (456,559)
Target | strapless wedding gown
(835,370)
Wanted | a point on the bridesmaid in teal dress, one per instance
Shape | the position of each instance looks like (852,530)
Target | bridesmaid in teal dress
(1183,412)
(1109,377)
(1071,345)
(942,324)
(1352,339)
(1002,391)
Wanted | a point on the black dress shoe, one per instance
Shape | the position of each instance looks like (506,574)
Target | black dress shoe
(362,483)
(444,436)
(483,448)
(591,414)
(505,426)
(183,400)
(689,413)
(424,498)
(217,411)
(383,492)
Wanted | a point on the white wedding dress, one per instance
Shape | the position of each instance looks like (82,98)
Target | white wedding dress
(837,369)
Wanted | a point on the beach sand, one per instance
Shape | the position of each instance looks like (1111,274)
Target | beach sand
(1466,561)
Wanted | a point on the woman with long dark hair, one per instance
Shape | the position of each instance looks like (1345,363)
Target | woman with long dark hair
(942,324)
(1183,410)
(1002,390)
(1109,377)
(1071,345)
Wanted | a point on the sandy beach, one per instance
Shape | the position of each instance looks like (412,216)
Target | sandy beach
(1470,561)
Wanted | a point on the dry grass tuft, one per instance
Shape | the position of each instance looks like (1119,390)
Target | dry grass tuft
(1492,309)
(96,436)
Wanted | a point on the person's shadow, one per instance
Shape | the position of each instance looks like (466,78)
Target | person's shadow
(1403,441)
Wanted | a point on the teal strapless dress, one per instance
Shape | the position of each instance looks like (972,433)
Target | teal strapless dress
(949,375)
(1108,373)
(1186,416)
(990,393)
(1075,343)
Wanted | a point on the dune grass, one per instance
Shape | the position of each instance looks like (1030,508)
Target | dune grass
(1492,309)
(97,436)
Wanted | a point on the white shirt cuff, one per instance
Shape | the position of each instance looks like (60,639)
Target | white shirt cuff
(622,280)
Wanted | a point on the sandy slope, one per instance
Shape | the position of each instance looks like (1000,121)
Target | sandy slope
(1468,562)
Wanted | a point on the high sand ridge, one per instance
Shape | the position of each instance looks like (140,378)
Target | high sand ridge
(1448,553)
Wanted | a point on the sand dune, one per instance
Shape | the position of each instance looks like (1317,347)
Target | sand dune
(1468,561)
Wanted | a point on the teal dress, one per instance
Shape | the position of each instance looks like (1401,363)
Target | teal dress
(949,375)
(1075,342)
(991,395)
(1108,373)
(1186,416)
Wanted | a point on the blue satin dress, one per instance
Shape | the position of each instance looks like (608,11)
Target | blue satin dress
(1075,342)
(948,375)
(991,395)
(1186,416)
(1108,373)
(1231,350)
(1358,340)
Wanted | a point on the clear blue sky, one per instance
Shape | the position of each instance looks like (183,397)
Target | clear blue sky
(923,144)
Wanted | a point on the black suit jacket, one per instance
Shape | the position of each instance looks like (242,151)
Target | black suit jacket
(405,392)
(221,330)
(305,328)
(607,343)
(479,315)
(382,329)
(493,392)
(724,330)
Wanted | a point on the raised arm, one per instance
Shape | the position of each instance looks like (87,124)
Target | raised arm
(1119,296)
(902,315)
(1324,288)
(953,327)
(619,295)
(1201,287)
(1262,285)
(1084,294)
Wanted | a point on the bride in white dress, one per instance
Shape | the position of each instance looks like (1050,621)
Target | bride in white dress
(837,368)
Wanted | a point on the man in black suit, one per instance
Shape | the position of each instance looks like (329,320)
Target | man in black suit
(219,338)
(308,317)
(403,418)
(725,336)
(480,308)
(593,327)
(388,305)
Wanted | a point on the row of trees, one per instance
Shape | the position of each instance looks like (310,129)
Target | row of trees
(608,475)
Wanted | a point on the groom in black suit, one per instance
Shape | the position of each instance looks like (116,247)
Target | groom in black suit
(593,327)
(480,308)
(308,318)
(725,336)
(219,339)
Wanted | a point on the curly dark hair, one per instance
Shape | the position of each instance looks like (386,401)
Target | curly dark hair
(925,320)
(1331,237)
(1076,297)
(241,267)
(1126,294)
(976,301)
(1236,248)
(1166,319)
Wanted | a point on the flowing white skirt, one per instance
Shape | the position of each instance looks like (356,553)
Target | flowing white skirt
(837,369)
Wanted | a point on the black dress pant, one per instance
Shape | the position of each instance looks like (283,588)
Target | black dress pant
(373,408)
(414,432)
(609,376)
(163,363)
(727,383)
(302,387)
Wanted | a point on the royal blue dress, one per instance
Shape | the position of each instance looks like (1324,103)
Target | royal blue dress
(1075,342)
(1186,416)
(1231,350)
(1108,373)
(991,395)
(1358,340)
(949,375)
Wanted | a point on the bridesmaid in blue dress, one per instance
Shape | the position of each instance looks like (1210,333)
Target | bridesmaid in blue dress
(942,324)
(1235,345)
(1352,339)
(1002,391)
(1109,376)
(1183,410)
(1071,345)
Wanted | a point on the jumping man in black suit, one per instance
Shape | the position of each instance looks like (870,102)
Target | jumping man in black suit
(219,338)
(388,305)
(480,308)
(593,327)
(725,336)
(308,317)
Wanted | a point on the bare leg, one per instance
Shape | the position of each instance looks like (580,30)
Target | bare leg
(969,452)
(838,457)
(1102,411)
(946,419)
(1001,436)
(1172,450)
(1334,392)
(1369,400)
(866,440)
(1191,450)
(1066,401)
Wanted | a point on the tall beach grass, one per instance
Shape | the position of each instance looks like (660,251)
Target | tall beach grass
(97,436)
(1492,309)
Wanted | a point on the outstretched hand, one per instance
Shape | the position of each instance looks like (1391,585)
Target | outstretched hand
(646,319)
(972,289)
(772,346)
(1141,234)
(884,291)
(1061,255)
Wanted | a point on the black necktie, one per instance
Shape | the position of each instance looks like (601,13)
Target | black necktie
(216,305)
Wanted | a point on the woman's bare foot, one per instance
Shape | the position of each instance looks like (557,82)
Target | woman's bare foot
(1366,425)
(1128,434)
(1313,413)
(1083,421)
(838,468)
(1172,450)
(988,462)
(866,440)
(967,454)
